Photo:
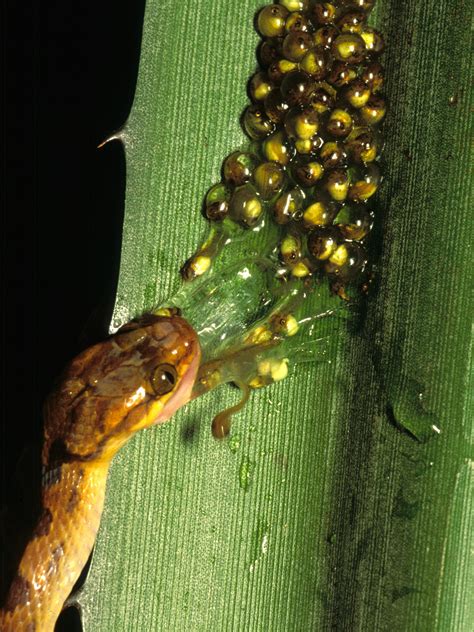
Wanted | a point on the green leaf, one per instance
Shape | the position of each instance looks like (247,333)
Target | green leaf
(323,511)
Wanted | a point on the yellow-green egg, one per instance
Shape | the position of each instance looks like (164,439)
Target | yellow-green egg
(309,146)
(316,62)
(195,267)
(374,110)
(245,205)
(277,148)
(301,123)
(349,48)
(285,324)
(365,183)
(339,123)
(280,68)
(322,242)
(290,248)
(374,42)
(357,93)
(349,265)
(339,256)
(306,173)
(260,86)
(269,178)
(320,212)
(337,184)
(271,20)
(300,269)
(295,5)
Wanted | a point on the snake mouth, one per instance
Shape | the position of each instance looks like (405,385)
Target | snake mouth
(183,393)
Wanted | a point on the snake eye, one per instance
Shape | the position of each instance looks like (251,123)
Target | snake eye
(163,378)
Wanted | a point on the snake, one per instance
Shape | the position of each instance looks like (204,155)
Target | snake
(137,378)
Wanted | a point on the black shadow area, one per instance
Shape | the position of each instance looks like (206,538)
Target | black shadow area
(69,76)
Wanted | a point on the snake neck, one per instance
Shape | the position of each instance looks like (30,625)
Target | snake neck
(73,499)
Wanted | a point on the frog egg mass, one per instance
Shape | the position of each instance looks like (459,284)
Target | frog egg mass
(313,122)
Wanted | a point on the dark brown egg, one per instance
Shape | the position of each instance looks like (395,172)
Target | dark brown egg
(324,13)
(363,145)
(354,221)
(296,44)
(352,21)
(288,206)
(296,87)
(372,75)
(333,154)
(276,106)
(297,21)
(238,167)
(325,36)
(217,201)
(322,98)
(269,51)
(256,123)
(341,74)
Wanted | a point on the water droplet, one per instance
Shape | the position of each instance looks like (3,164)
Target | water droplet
(245,472)
(406,407)
(234,443)
(405,509)
(403,591)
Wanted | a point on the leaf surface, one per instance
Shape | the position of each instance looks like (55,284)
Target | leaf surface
(322,512)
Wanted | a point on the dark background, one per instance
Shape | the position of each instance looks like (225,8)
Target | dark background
(69,75)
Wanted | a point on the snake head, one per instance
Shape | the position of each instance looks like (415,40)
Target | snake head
(135,379)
